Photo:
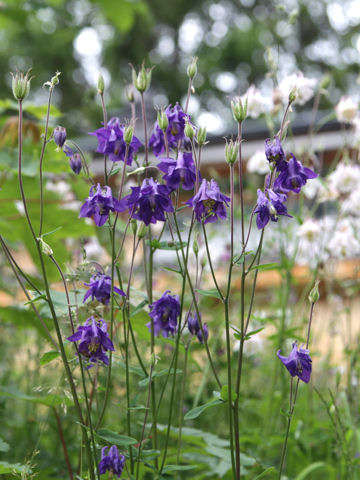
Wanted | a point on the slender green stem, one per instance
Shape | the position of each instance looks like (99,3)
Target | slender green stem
(182,397)
(106,179)
(145,129)
(41,161)
(210,262)
(63,443)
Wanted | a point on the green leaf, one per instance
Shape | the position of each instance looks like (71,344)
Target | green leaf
(209,293)
(309,469)
(161,373)
(224,394)
(252,333)
(172,270)
(265,473)
(4,447)
(197,411)
(51,400)
(6,467)
(49,357)
(175,468)
(115,438)
(265,266)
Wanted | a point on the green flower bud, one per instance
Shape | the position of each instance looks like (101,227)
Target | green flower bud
(129,91)
(195,247)
(44,247)
(201,136)
(292,95)
(163,120)
(142,80)
(192,68)
(100,84)
(325,82)
(314,294)
(142,231)
(128,134)
(231,152)
(21,85)
(189,131)
(133,224)
(239,109)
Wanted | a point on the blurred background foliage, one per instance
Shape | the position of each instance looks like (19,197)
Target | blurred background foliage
(230,37)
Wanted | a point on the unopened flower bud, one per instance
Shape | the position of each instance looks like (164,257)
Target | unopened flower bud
(231,152)
(314,294)
(192,68)
(128,134)
(189,131)
(44,247)
(142,231)
(75,163)
(201,136)
(292,95)
(129,92)
(195,247)
(239,109)
(325,82)
(100,84)
(142,80)
(55,79)
(21,85)
(163,120)
(59,136)
(133,224)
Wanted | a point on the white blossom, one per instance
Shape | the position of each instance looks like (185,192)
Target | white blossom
(258,163)
(351,205)
(257,104)
(344,179)
(303,88)
(343,242)
(346,110)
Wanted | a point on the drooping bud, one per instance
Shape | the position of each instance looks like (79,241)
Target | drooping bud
(44,247)
(100,84)
(163,120)
(201,136)
(239,109)
(59,135)
(55,79)
(195,247)
(231,152)
(21,85)
(142,80)
(192,68)
(189,131)
(314,294)
(128,134)
(75,163)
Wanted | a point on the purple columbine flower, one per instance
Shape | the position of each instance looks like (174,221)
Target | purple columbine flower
(93,340)
(59,136)
(180,170)
(99,203)
(209,203)
(293,176)
(275,153)
(75,163)
(111,142)
(194,328)
(174,132)
(298,363)
(164,313)
(112,461)
(100,288)
(270,207)
(148,202)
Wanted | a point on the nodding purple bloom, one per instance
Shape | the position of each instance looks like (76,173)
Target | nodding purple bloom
(112,461)
(275,153)
(298,363)
(293,176)
(194,328)
(174,132)
(100,288)
(93,340)
(99,204)
(148,202)
(209,203)
(180,170)
(270,207)
(75,163)
(111,142)
(59,136)
(164,313)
